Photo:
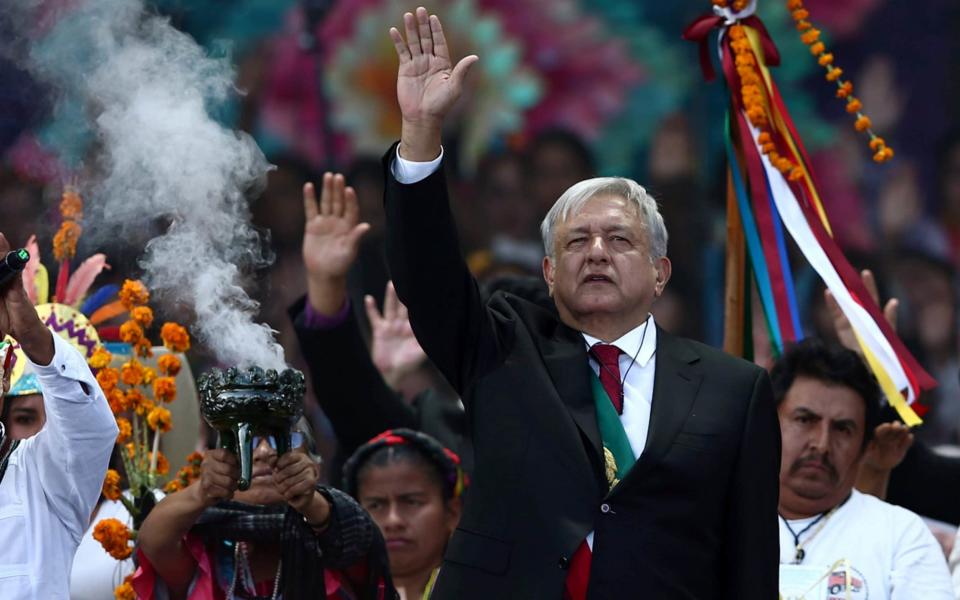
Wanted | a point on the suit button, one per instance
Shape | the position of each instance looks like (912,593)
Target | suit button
(604,508)
(564,563)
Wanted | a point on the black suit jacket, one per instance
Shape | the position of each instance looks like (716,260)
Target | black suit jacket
(359,403)
(696,517)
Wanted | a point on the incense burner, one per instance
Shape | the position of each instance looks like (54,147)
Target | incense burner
(241,403)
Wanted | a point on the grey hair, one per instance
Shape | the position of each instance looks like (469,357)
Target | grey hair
(572,201)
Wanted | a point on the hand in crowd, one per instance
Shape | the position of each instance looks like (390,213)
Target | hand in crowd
(19,319)
(428,83)
(331,240)
(888,447)
(296,476)
(393,348)
(841,324)
(219,476)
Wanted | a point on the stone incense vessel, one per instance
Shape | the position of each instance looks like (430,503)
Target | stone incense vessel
(239,403)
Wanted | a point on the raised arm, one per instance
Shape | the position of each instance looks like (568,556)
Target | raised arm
(72,450)
(423,252)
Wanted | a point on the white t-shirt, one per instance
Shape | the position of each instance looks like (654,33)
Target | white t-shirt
(53,480)
(95,573)
(891,554)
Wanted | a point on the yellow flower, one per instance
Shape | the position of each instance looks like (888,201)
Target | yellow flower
(876,143)
(71,205)
(834,74)
(825,59)
(164,389)
(175,337)
(131,373)
(862,123)
(817,49)
(169,364)
(131,332)
(810,36)
(163,466)
(159,417)
(143,349)
(125,590)
(133,293)
(100,359)
(142,315)
(65,241)
(135,399)
(111,485)
(149,375)
(126,430)
(845,90)
(114,536)
(131,450)
(854,105)
(117,401)
(108,379)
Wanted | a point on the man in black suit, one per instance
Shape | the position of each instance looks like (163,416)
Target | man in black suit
(611,459)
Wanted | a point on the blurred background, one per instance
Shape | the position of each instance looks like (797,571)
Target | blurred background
(565,89)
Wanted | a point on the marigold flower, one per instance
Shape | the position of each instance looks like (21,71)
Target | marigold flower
(111,485)
(175,337)
(131,332)
(125,590)
(845,89)
(143,349)
(108,379)
(131,373)
(71,205)
(784,165)
(159,418)
(169,364)
(739,5)
(144,406)
(135,399)
(854,105)
(142,315)
(877,142)
(149,375)
(768,148)
(65,240)
(794,4)
(800,14)
(810,36)
(834,74)
(114,536)
(174,485)
(195,458)
(737,32)
(131,450)
(101,358)
(163,465)
(117,401)
(164,389)
(804,25)
(764,137)
(133,293)
(887,152)
(796,174)
(817,49)
(825,59)
(862,123)
(126,430)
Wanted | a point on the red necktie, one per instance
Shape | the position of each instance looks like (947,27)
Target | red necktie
(608,356)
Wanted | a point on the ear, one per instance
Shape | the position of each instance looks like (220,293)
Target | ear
(664,269)
(548,273)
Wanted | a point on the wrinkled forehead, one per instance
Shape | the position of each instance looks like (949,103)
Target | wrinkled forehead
(826,400)
(601,209)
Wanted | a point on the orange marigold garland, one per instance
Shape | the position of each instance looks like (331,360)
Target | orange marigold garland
(811,36)
(71,211)
(125,590)
(111,485)
(115,537)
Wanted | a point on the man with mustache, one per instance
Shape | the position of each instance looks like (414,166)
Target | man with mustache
(611,459)
(836,542)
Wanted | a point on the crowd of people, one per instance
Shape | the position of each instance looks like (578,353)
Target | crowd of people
(516,410)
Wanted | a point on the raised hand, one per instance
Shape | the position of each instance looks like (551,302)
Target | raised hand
(841,325)
(888,447)
(19,319)
(393,347)
(331,240)
(219,476)
(428,83)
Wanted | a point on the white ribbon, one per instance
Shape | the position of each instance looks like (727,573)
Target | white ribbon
(730,16)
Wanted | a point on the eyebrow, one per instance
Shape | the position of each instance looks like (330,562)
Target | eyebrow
(612,229)
(803,411)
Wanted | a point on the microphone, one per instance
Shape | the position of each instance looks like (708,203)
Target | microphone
(13,263)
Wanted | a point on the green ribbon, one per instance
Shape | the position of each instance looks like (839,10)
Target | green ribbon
(618,454)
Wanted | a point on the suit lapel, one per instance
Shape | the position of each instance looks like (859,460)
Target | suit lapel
(566,360)
(675,387)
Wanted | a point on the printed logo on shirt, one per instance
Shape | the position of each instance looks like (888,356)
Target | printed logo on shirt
(844,585)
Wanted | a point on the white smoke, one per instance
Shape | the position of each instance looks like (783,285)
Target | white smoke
(161,157)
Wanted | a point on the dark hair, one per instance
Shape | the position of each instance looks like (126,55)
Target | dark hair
(831,363)
(414,448)
(566,139)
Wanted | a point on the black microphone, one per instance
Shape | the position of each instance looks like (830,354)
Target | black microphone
(13,263)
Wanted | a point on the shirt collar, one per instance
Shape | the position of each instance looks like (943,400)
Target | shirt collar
(629,343)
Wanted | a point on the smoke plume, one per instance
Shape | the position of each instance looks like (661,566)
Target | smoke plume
(148,91)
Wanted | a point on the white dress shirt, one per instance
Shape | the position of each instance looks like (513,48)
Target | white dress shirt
(53,480)
(637,378)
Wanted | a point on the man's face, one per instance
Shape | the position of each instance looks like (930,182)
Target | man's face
(601,263)
(25,416)
(822,429)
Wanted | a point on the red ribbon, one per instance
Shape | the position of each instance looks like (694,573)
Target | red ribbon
(700,29)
